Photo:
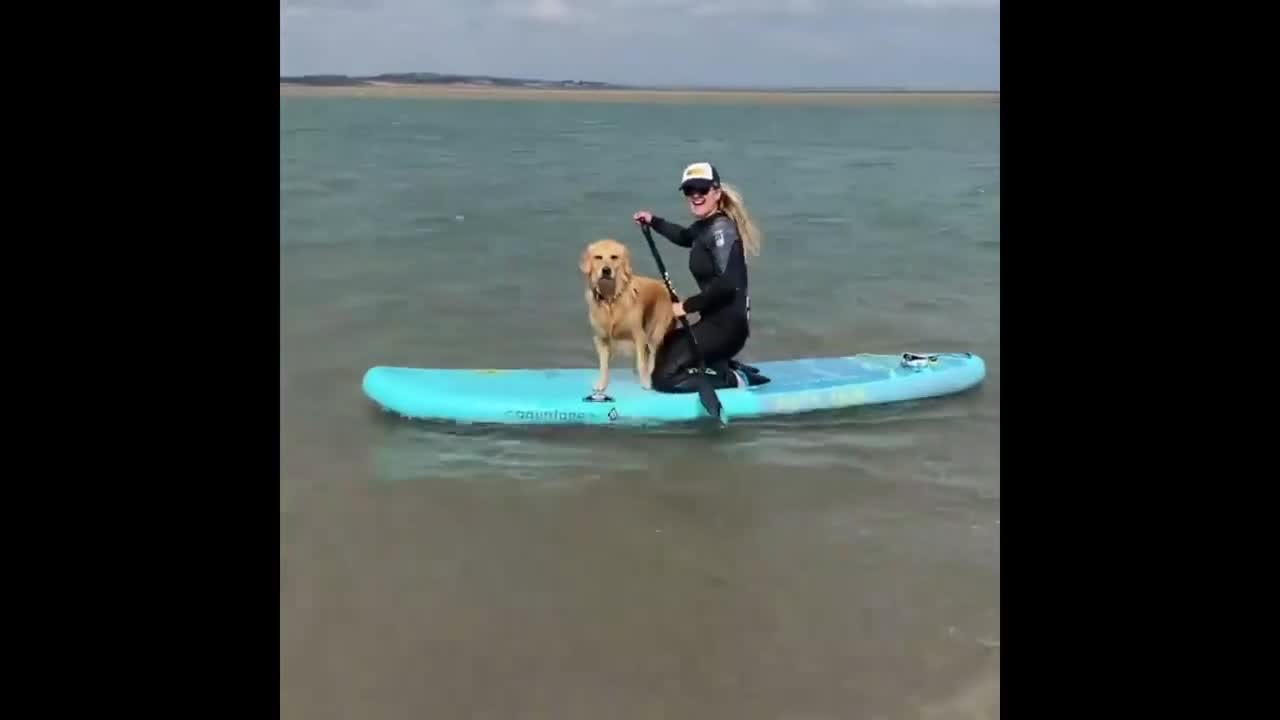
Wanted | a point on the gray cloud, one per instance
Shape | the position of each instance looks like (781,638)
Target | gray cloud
(914,43)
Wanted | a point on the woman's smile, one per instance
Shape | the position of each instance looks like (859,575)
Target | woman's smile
(702,201)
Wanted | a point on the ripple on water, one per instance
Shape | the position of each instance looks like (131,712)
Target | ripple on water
(471,458)
(855,440)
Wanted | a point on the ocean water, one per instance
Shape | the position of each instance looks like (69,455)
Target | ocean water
(842,565)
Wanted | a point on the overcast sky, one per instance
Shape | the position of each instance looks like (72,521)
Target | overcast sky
(925,44)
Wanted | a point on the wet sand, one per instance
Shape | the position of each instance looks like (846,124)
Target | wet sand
(483,92)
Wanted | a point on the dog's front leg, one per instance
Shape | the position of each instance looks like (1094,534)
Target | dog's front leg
(644,360)
(602,350)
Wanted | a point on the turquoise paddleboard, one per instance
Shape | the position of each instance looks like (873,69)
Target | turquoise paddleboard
(560,396)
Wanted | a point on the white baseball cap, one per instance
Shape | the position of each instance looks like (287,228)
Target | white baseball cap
(700,173)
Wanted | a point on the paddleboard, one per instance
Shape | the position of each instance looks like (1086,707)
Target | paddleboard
(559,396)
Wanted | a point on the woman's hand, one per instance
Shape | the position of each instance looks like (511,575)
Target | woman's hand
(678,309)
(644,217)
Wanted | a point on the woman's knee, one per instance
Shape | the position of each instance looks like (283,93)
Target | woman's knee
(714,343)
(673,353)
(686,380)
(667,382)
(721,343)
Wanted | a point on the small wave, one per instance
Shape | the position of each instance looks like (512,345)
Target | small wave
(923,305)
(871,163)
(445,451)
(597,195)
(341,183)
(433,219)
(830,220)
(302,190)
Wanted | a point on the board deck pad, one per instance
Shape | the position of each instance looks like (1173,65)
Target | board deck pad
(563,395)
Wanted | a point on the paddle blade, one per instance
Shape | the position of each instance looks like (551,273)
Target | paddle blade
(709,400)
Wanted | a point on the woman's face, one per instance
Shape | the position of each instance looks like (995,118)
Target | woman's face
(703,200)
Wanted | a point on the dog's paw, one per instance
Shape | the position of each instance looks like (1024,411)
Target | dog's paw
(646,382)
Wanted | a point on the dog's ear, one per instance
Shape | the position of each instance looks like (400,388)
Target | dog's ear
(624,265)
(584,263)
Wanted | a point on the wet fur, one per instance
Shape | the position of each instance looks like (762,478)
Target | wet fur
(635,317)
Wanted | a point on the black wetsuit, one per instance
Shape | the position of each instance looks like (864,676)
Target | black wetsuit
(718,264)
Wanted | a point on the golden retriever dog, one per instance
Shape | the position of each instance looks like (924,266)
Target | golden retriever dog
(630,311)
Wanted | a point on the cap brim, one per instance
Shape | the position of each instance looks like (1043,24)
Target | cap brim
(701,183)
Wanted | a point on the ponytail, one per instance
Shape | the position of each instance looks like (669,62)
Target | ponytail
(733,206)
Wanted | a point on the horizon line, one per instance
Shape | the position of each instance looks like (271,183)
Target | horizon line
(444,78)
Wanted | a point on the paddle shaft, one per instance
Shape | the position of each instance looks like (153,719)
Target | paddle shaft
(662,268)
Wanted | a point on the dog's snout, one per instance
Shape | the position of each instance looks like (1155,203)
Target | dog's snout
(606,271)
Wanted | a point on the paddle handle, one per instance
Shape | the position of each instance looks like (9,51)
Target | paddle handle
(657,257)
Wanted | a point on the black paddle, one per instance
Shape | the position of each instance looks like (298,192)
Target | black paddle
(705,392)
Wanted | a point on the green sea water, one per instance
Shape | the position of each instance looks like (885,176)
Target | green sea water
(840,565)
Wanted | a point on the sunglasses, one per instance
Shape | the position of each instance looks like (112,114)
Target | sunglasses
(695,190)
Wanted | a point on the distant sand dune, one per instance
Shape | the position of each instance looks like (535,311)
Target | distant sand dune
(485,92)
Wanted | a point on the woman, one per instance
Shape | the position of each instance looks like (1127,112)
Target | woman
(721,236)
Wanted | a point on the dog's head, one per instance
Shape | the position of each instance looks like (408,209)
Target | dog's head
(606,264)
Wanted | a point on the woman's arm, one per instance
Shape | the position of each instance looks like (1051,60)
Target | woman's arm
(677,234)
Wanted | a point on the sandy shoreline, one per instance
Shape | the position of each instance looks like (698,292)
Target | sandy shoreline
(480,92)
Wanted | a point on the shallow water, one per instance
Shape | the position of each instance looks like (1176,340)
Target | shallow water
(843,564)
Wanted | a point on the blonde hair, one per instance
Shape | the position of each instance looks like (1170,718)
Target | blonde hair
(732,204)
